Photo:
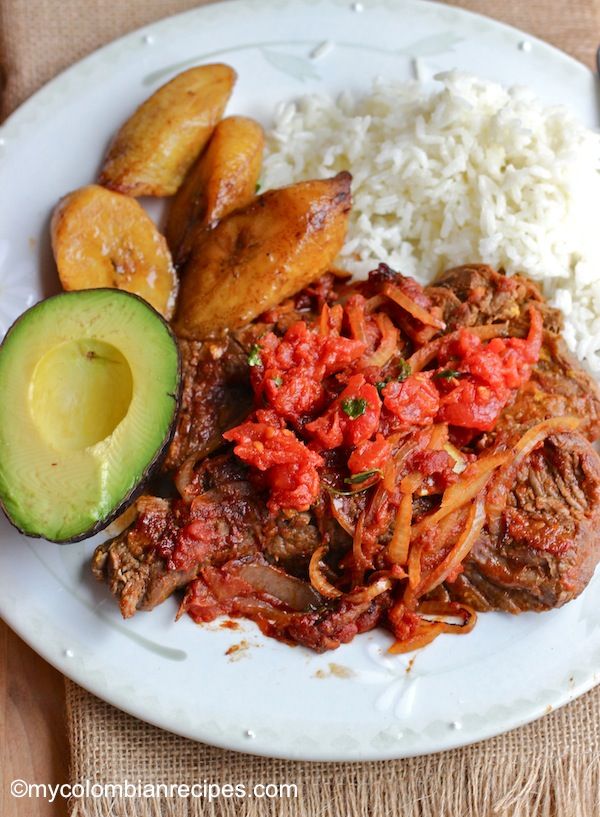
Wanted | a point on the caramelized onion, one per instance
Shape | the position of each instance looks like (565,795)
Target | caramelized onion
(439,436)
(330,322)
(389,342)
(359,557)
(256,608)
(498,491)
(371,304)
(460,463)
(474,480)
(343,521)
(423,356)
(370,592)
(318,580)
(398,547)
(395,294)
(414,570)
(356,319)
(437,619)
(293,592)
(459,552)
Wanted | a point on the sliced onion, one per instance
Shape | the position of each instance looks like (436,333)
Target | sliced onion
(436,619)
(360,561)
(464,490)
(459,552)
(374,303)
(439,436)
(411,482)
(395,294)
(343,521)
(388,479)
(414,570)
(330,322)
(398,547)
(423,636)
(370,592)
(498,491)
(389,342)
(256,608)
(318,580)
(356,319)
(460,463)
(423,356)
(324,320)
(288,589)
(445,613)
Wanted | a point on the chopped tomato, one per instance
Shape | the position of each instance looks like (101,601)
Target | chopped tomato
(290,467)
(351,419)
(472,406)
(485,375)
(414,401)
(298,376)
(370,455)
(291,370)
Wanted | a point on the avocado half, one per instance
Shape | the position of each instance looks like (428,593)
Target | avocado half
(90,385)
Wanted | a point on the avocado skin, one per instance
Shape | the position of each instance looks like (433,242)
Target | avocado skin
(152,465)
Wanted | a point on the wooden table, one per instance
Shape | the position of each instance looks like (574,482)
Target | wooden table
(33,742)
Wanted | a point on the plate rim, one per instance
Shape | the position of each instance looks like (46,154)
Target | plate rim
(30,110)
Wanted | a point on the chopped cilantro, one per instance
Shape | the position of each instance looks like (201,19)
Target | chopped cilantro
(363,476)
(354,407)
(254,358)
(257,188)
(448,374)
(381,384)
(404,369)
(278,381)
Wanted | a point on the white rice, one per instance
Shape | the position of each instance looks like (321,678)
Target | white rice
(466,172)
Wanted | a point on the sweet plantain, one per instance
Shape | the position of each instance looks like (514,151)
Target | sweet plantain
(223,179)
(158,144)
(105,239)
(261,254)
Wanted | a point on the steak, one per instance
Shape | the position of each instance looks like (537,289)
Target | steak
(131,565)
(216,395)
(539,555)
(546,550)
(474,295)
(547,547)
(223,519)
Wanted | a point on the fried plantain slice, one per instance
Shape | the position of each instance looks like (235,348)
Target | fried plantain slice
(261,254)
(222,179)
(157,145)
(105,239)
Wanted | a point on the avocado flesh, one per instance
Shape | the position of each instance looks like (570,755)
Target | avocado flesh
(89,383)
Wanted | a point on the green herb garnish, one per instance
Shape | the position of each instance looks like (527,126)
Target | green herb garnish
(337,492)
(404,370)
(254,358)
(448,374)
(381,384)
(363,476)
(257,188)
(354,407)
(278,381)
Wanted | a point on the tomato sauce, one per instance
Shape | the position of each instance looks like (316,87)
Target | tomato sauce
(341,383)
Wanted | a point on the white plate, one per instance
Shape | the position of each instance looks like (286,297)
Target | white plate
(356,703)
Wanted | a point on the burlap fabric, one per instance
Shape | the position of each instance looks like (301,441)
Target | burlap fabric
(547,769)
